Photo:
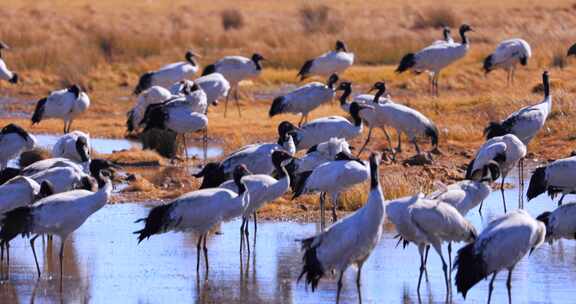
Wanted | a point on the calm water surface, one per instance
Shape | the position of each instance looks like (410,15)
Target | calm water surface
(104,264)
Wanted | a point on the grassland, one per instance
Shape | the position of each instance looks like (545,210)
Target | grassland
(106,45)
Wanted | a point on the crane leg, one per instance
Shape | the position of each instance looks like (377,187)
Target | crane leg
(339,287)
(438,248)
(491,287)
(366,142)
(509,285)
(205,254)
(422,265)
(237,101)
(227,99)
(388,138)
(334,207)
(561,199)
(255,225)
(205,144)
(7,259)
(322,198)
(426,262)
(416,146)
(359,282)
(399,147)
(247,234)
(198,255)
(61,256)
(34,252)
(436,77)
(449,261)
(502,192)
(242,233)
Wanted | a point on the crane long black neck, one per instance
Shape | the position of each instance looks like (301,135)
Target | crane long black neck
(240,185)
(345,95)
(379,94)
(546,83)
(464,37)
(374,176)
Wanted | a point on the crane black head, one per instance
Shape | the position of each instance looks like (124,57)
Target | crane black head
(82,148)
(190,55)
(465,28)
(256,58)
(332,80)
(279,157)
(380,88)
(341,46)
(239,172)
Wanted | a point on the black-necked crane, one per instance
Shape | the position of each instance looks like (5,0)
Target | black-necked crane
(524,123)
(322,129)
(332,178)
(436,57)
(176,115)
(507,55)
(256,157)
(503,151)
(554,178)
(333,62)
(262,189)
(196,98)
(153,95)
(14,140)
(560,223)
(402,118)
(64,179)
(5,73)
(319,154)
(169,74)
(435,222)
(74,146)
(65,104)
(304,99)
(58,214)
(500,246)
(349,241)
(198,212)
(19,192)
(236,69)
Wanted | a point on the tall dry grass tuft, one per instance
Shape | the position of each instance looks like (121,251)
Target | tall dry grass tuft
(436,17)
(320,18)
(232,19)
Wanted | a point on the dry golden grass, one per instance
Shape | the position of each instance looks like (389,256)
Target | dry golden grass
(106,45)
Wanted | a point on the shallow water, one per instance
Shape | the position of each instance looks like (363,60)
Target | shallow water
(109,145)
(104,264)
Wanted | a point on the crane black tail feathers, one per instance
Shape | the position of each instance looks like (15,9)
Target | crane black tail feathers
(14,79)
(487,64)
(471,269)
(300,183)
(537,183)
(523,60)
(144,83)
(155,223)
(495,129)
(209,69)
(312,267)
(15,222)
(277,106)
(432,132)
(407,62)
(305,70)
(38,111)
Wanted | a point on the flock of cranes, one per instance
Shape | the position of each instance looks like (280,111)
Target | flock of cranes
(56,195)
